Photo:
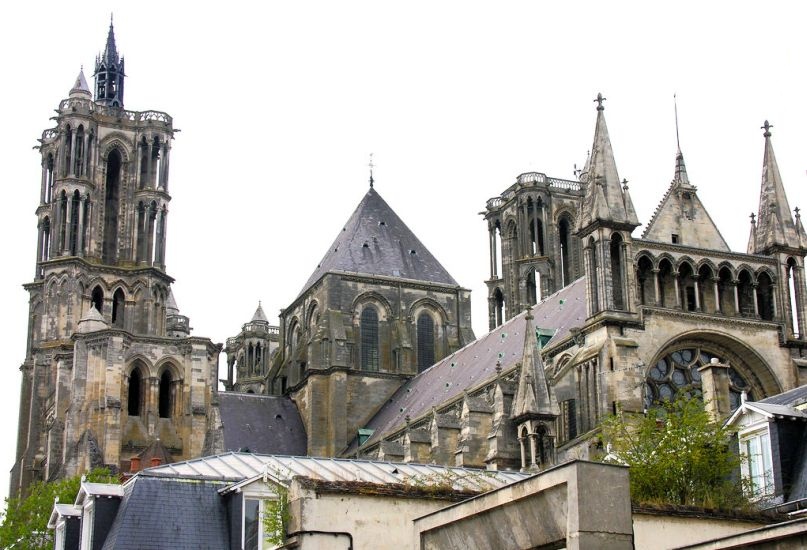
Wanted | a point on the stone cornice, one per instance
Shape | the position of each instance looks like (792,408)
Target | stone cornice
(120,271)
(712,318)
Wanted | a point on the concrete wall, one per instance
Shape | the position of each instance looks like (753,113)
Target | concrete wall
(660,532)
(575,505)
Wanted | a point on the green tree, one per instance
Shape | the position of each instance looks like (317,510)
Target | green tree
(25,520)
(676,455)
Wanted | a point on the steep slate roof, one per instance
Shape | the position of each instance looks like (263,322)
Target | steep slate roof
(533,395)
(261,423)
(681,212)
(259,315)
(375,241)
(791,398)
(476,362)
(153,511)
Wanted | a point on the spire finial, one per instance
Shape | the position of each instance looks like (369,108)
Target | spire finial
(797,210)
(677,140)
(371,165)
(767,127)
(599,101)
(624,184)
(753,219)
(529,313)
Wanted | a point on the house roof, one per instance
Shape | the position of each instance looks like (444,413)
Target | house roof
(261,424)
(793,397)
(237,467)
(98,489)
(154,511)
(375,241)
(63,510)
(476,362)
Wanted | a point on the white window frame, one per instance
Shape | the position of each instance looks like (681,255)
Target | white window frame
(757,464)
(262,534)
(87,520)
(58,537)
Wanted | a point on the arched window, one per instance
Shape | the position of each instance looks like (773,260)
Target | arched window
(144,163)
(533,286)
(617,271)
(166,400)
(745,294)
(98,299)
(45,252)
(706,291)
(793,295)
(725,291)
(62,222)
(686,283)
(498,298)
(78,168)
(68,144)
(111,205)
(646,282)
(425,335)
(49,178)
(593,276)
(369,339)
(154,177)
(118,308)
(74,225)
(679,371)
(564,233)
(765,296)
(134,399)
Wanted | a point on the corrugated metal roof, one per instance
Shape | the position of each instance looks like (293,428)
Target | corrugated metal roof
(235,467)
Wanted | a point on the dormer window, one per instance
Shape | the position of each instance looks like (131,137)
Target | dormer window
(757,465)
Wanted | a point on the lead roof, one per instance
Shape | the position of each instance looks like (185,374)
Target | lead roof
(261,423)
(375,241)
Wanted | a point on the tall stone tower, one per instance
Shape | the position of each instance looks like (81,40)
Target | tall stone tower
(110,366)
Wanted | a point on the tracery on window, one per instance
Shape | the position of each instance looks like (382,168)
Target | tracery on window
(678,372)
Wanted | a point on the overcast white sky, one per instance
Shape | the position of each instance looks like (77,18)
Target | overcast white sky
(280,104)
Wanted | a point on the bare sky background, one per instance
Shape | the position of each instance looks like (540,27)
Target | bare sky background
(280,104)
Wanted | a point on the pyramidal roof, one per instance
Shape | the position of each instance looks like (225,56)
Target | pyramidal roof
(259,314)
(375,241)
(775,226)
(80,85)
(682,213)
(532,395)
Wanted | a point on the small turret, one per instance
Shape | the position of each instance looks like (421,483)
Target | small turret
(80,88)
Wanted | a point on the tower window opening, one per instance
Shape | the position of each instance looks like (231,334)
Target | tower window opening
(118,308)
(62,222)
(49,178)
(533,292)
(565,257)
(156,162)
(617,272)
(98,299)
(111,206)
(68,144)
(594,276)
(134,399)
(793,298)
(78,168)
(498,298)
(166,399)
(646,282)
(74,222)
(745,294)
(45,252)
(369,339)
(425,335)
(765,297)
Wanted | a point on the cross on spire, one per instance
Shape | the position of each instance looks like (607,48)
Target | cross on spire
(599,101)
(767,127)
(371,165)
(797,210)
(753,218)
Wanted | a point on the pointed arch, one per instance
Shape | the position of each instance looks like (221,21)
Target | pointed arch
(114,165)
(646,280)
(118,308)
(425,341)
(97,299)
(565,225)
(136,390)
(369,341)
(617,272)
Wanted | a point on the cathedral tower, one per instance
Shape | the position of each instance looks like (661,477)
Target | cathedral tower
(108,360)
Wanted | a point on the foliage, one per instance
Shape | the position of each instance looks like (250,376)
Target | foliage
(25,520)
(676,454)
(276,517)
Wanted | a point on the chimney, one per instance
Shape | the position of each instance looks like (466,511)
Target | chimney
(134,464)
(155,461)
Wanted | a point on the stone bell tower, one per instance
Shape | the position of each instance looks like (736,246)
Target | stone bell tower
(110,364)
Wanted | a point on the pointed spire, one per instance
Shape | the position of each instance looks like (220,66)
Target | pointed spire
(171,303)
(109,73)
(111,51)
(775,226)
(259,315)
(752,238)
(800,229)
(605,200)
(533,397)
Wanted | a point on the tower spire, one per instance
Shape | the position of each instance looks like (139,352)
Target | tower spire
(109,72)
(605,200)
(775,226)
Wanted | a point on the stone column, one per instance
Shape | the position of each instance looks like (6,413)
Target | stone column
(716,283)
(715,383)
(656,286)
(677,290)
(736,297)
(697,294)
(754,285)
